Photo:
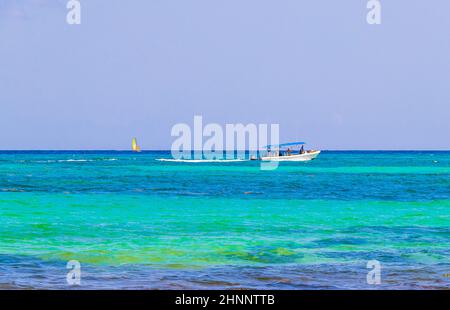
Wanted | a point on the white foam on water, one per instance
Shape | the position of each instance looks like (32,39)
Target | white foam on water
(200,160)
(85,160)
(66,160)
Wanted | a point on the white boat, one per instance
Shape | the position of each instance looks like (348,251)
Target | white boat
(285,152)
(309,155)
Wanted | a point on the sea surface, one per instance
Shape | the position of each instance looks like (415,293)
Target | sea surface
(134,221)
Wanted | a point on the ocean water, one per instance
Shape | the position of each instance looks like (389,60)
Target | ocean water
(134,221)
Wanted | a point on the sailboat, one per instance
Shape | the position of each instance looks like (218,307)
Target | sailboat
(134,146)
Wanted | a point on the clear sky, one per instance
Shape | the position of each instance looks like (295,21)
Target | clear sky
(137,67)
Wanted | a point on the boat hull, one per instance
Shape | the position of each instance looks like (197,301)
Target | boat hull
(296,157)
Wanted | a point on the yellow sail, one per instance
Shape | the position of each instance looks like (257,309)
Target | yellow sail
(134,146)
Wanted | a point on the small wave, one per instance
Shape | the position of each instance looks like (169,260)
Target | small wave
(12,190)
(52,161)
(86,160)
(200,160)
(66,160)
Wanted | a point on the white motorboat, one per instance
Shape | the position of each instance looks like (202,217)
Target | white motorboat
(286,152)
(309,155)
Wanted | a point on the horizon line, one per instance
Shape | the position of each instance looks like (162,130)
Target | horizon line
(235,150)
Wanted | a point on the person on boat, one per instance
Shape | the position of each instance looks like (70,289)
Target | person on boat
(302,150)
(288,151)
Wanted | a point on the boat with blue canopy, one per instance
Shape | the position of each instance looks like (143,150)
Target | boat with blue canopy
(292,151)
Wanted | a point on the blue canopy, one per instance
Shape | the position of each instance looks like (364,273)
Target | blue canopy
(285,144)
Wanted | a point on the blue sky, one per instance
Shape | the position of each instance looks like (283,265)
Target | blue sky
(135,68)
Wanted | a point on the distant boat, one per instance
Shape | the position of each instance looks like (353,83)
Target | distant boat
(285,152)
(134,146)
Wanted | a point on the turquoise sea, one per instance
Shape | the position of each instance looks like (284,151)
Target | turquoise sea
(134,222)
